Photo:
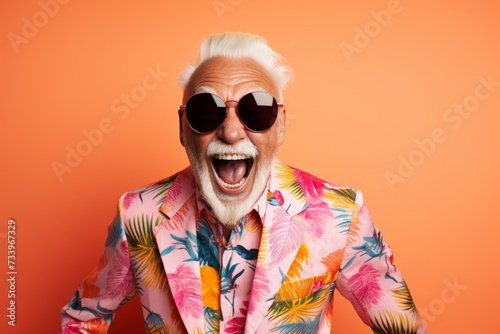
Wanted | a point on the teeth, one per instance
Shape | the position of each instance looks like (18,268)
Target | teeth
(232,186)
(231,157)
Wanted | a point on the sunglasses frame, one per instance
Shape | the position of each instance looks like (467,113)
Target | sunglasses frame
(182,108)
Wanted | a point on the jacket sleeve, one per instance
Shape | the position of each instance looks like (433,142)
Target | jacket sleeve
(369,279)
(108,287)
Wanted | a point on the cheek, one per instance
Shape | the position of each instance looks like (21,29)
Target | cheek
(185,133)
(266,143)
(198,143)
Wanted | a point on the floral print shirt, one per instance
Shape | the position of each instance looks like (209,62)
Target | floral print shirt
(277,272)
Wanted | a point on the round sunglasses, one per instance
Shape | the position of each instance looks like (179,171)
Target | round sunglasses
(206,112)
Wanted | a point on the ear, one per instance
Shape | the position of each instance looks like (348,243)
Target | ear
(281,127)
(181,129)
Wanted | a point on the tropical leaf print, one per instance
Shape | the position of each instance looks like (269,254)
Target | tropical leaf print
(285,235)
(309,326)
(343,219)
(328,312)
(296,267)
(317,216)
(161,189)
(115,233)
(99,312)
(89,288)
(184,284)
(288,181)
(187,244)
(360,310)
(345,211)
(264,246)
(176,222)
(72,327)
(303,287)
(97,326)
(365,285)
(391,322)
(275,198)
(253,224)
(175,322)
(333,261)
(404,299)
(260,287)
(247,254)
(237,324)
(354,227)
(229,276)
(208,248)
(120,280)
(343,198)
(144,254)
(154,323)
(212,325)
(129,199)
(303,309)
(374,246)
(311,186)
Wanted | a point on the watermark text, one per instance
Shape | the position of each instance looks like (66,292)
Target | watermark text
(453,118)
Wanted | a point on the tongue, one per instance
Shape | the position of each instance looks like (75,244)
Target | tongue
(231,171)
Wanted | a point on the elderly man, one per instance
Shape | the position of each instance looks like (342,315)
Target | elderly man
(239,242)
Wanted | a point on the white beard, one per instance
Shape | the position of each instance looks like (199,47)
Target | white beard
(229,214)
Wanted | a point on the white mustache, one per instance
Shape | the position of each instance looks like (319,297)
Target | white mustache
(217,147)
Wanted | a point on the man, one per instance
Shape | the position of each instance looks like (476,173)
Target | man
(239,242)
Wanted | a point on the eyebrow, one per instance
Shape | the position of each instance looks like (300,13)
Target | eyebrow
(206,89)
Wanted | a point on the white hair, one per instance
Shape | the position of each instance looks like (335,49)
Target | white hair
(243,45)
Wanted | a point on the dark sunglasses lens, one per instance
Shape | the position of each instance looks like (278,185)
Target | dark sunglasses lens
(258,111)
(205,112)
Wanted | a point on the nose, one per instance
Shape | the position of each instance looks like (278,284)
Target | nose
(231,131)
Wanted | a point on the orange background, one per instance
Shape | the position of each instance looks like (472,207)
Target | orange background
(350,120)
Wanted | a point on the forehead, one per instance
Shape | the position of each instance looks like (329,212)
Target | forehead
(229,78)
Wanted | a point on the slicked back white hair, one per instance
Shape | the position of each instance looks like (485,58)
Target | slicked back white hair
(241,45)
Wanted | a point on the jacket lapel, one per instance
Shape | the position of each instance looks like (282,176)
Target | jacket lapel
(176,240)
(282,235)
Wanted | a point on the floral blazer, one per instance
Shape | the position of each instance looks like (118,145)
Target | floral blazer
(276,274)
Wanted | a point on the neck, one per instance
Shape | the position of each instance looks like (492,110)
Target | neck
(226,230)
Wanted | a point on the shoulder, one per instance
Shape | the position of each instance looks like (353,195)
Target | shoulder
(151,197)
(310,188)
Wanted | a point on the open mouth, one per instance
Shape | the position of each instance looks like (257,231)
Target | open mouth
(232,169)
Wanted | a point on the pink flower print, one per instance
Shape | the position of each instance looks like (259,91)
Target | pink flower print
(279,197)
(129,200)
(311,186)
(260,287)
(120,278)
(317,285)
(365,285)
(72,327)
(236,325)
(186,291)
(317,214)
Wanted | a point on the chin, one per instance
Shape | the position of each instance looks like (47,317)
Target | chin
(230,202)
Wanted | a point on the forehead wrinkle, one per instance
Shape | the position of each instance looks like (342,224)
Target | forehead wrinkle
(231,78)
(234,89)
(227,76)
(245,88)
